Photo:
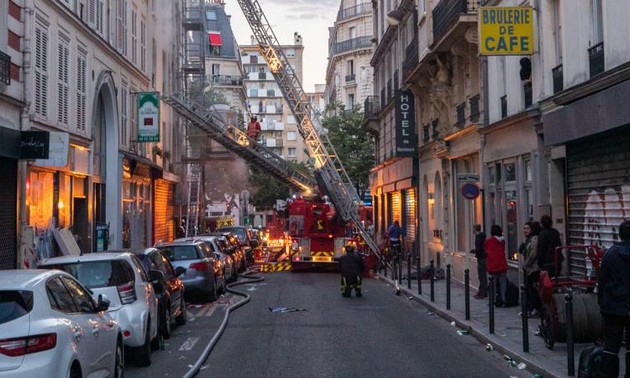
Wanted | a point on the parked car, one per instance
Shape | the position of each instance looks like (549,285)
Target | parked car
(119,276)
(233,248)
(168,288)
(245,236)
(50,325)
(221,252)
(204,275)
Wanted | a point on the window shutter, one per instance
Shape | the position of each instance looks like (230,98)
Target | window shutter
(41,70)
(124,103)
(92,13)
(63,88)
(81,92)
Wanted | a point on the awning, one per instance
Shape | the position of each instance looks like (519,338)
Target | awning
(215,38)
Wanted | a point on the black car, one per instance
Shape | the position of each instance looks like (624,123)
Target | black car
(168,288)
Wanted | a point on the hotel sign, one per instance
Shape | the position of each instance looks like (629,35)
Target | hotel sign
(406,140)
(148,116)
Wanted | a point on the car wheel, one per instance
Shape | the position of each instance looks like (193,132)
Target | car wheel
(143,353)
(119,364)
(181,319)
(75,371)
(212,292)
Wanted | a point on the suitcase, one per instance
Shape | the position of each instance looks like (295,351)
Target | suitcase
(590,361)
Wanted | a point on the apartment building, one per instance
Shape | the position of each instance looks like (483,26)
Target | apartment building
(266,101)
(79,68)
(349,74)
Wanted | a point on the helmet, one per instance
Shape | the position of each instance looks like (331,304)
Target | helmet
(349,248)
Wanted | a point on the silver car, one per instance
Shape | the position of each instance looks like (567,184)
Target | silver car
(230,269)
(121,277)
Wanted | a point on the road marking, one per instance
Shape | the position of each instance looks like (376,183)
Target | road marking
(189,343)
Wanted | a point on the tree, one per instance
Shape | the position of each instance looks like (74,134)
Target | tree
(267,189)
(353,144)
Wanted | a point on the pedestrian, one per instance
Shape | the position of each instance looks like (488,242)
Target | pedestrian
(480,254)
(351,268)
(531,271)
(496,264)
(370,229)
(394,233)
(548,240)
(613,283)
(253,128)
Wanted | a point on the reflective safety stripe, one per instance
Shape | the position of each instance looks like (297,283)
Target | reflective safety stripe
(275,267)
(322,253)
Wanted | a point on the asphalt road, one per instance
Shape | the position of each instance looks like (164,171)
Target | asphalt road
(298,325)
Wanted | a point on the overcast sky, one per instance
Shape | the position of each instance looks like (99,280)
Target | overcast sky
(310,18)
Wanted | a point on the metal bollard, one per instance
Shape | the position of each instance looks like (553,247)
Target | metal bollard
(524,318)
(467,292)
(491,298)
(448,286)
(409,271)
(400,261)
(568,299)
(419,273)
(432,280)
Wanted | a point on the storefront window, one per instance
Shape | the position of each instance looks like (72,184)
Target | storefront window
(511,233)
(39,198)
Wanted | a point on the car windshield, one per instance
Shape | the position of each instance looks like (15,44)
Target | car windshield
(14,304)
(96,274)
(181,252)
(238,231)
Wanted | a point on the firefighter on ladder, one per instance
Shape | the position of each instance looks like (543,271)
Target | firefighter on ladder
(253,128)
(351,267)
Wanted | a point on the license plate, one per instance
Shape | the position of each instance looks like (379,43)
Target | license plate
(322,259)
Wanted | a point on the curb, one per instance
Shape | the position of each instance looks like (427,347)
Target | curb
(532,366)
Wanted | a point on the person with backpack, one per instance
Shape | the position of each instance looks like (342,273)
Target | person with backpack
(496,264)
(613,284)
(480,254)
(548,241)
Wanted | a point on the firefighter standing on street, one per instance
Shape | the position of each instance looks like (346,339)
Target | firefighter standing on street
(351,267)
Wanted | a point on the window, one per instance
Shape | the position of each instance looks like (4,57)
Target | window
(291,135)
(134,37)
(96,13)
(211,15)
(350,67)
(59,297)
(63,82)
(350,103)
(292,152)
(291,119)
(81,90)
(41,69)
(598,27)
(352,32)
(121,26)
(143,45)
(81,297)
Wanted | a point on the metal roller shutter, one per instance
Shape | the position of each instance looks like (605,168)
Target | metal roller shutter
(396,210)
(598,188)
(410,215)
(163,215)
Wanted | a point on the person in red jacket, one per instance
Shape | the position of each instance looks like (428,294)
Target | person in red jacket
(496,263)
(253,128)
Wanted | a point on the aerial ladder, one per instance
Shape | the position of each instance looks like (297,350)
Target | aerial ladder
(329,170)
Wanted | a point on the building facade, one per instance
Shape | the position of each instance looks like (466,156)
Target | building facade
(350,49)
(78,73)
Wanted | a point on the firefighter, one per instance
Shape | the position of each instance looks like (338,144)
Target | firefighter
(351,267)
(253,128)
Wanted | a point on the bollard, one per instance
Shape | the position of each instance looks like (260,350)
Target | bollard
(432,280)
(491,298)
(448,286)
(400,261)
(419,273)
(524,318)
(409,271)
(467,292)
(568,298)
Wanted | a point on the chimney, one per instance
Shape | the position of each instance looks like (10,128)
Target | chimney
(297,39)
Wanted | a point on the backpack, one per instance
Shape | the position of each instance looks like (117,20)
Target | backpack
(590,361)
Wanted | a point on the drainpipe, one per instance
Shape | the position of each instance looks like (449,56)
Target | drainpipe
(25,125)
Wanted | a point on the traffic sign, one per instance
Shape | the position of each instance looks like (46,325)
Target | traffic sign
(470,191)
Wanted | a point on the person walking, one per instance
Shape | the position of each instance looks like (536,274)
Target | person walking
(531,271)
(496,264)
(613,283)
(480,254)
(351,268)
(548,241)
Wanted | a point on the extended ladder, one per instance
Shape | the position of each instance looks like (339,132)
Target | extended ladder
(192,202)
(329,170)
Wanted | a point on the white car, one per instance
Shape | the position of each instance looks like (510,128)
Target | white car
(50,326)
(134,305)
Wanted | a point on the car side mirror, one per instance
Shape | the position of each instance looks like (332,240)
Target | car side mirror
(180,270)
(156,277)
(102,303)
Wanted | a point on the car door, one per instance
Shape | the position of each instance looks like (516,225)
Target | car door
(93,333)
(173,284)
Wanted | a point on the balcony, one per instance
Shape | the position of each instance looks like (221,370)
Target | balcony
(350,78)
(5,68)
(474,108)
(557,74)
(596,59)
(449,15)
(371,107)
(227,80)
(411,58)
(354,11)
(352,44)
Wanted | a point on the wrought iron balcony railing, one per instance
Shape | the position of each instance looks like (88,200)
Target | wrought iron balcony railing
(596,59)
(411,57)
(371,107)
(350,78)
(5,68)
(227,80)
(357,10)
(352,44)
(447,12)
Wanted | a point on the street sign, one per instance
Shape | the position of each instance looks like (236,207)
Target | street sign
(506,31)
(470,191)
(467,177)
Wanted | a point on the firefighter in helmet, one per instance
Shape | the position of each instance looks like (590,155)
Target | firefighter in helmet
(351,267)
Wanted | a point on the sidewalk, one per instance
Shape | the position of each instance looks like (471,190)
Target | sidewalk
(507,337)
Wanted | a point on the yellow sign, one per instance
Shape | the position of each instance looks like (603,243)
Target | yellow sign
(506,31)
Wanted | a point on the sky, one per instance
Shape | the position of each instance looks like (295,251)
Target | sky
(310,18)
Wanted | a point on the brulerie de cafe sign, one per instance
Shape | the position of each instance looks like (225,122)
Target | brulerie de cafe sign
(506,31)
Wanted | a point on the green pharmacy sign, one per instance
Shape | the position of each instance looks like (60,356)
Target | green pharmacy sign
(148,116)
